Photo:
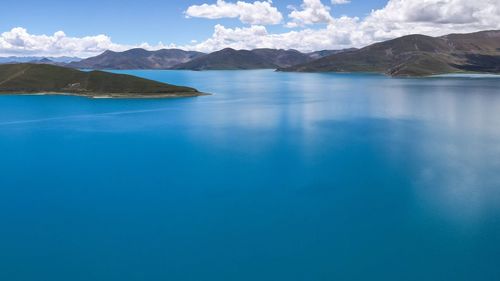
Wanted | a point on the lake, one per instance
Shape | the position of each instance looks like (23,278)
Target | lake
(277,176)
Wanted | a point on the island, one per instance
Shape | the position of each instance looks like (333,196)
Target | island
(27,78)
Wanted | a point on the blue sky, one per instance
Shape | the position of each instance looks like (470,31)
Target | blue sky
(132,21)
(87,28)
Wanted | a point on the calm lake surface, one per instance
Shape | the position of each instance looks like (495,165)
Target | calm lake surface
(277,176)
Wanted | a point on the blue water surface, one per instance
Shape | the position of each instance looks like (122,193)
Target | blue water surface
(277,176)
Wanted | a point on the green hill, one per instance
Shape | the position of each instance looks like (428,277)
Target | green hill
(417,55)
(228,59)
(40,78)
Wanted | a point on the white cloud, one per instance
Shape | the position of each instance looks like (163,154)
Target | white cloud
(431,17)
(439,11)
(258,37)
(18,42)
(258,12)
(397,18)
(312,12)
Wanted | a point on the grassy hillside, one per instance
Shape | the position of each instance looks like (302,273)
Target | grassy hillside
(228,59)
(282,58)
(39,78)
(417,55)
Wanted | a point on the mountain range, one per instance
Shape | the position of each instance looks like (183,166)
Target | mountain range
(225,59)
(137,59)
(416,55)
(412,55)
(228,59)
(14,59)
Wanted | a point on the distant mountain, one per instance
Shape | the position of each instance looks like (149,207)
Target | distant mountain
(179,59)
(137,59)
(417,55)
(228,59)
(42,78)
(44,61)
(282,58)
(4,60)
(325,53)
(47,61)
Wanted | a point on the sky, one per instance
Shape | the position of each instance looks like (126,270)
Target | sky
(88,28)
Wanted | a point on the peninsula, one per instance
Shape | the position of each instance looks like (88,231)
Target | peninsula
(51,79)
(417,55)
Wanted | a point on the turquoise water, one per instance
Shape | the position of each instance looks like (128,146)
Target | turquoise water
(276,176)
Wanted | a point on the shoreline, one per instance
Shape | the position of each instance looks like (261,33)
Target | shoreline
(111,95)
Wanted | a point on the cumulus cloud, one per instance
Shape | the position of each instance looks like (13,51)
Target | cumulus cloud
(258,12)
(259,37)
(397,18)
(431,17)
(312,12)
(19,42)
